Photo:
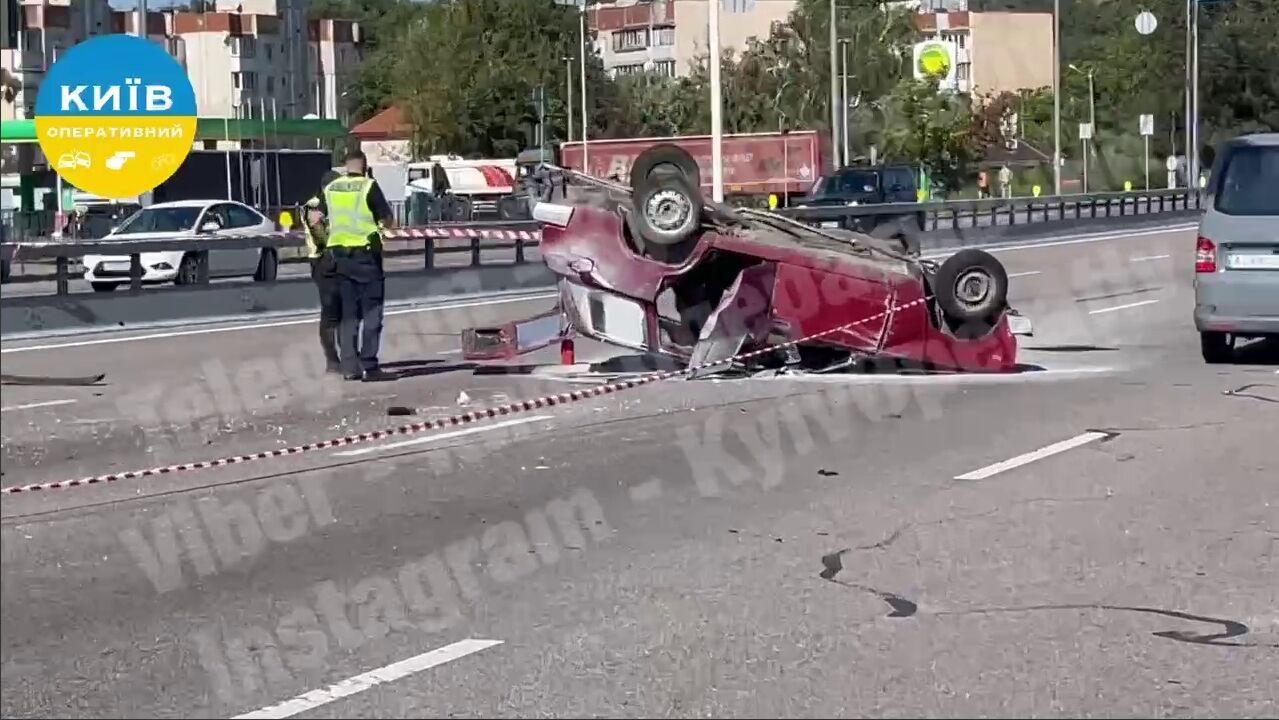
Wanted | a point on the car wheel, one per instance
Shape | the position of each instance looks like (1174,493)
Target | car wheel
(188,271)
(1217,347)
(971,287)
(104,286)
(667,211)
(664,160)
(268,266)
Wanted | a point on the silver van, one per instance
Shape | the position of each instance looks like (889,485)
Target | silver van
(1237,253)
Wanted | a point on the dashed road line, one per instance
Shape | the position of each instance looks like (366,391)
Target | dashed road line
(1027,273)
(1032,456)
(360,683)
(34,405)
(1125,306)
(1147,258)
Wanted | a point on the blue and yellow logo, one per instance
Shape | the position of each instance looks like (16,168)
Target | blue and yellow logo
(116,116)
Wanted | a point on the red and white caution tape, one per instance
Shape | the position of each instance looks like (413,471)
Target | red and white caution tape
(453,421)
(460,232)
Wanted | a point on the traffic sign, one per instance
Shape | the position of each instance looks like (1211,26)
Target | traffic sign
(1085,131)
(1147,124)
(1171,163)
(1146,22)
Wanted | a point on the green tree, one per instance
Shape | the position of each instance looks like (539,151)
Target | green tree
(930,128)
(467,70)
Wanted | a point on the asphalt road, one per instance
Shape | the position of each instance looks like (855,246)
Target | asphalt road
(1092,537)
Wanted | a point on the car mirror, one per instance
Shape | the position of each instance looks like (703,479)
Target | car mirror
(209,226)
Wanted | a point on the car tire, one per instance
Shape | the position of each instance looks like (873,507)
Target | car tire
(268,266)
(104,286)
(1217,347)
(971,288)
(664,160)
(188,271)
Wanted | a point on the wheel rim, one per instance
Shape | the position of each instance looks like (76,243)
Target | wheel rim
(973,287)
(668,210)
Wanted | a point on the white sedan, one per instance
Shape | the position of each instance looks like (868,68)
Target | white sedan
(180,221)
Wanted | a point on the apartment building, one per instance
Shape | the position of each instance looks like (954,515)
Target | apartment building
(995,51)
(669,37)
(248,58)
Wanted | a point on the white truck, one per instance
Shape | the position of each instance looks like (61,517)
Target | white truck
(450,188)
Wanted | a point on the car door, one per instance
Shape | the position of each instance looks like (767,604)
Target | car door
(245,221)
(221,262)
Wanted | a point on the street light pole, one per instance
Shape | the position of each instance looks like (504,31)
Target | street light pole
(568,82)
(586,168)
(717,111)
(843,128)
(834,88)
(1057,96)
(1194,148)
(142,19)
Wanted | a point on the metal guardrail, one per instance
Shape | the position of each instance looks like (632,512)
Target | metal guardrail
(960,214)
(437,239)
(475,238)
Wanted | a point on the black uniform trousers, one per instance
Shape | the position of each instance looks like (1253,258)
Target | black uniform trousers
(324,274)
(362,291)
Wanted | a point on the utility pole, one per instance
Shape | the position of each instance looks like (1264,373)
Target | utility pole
(586,167)
(717,109)
(1057,96)
(142,18)
(834,86)
(1190,142)
(568,88)
(843,47)
(1194,149)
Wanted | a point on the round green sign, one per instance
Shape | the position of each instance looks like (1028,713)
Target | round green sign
(934,60)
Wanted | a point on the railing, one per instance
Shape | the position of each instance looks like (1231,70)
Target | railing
(475,239)
(425,242)
(987,212)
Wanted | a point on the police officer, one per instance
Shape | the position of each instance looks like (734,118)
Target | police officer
(324,274)
(355,208)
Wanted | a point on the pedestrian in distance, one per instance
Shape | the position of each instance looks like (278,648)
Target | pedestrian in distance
(324,275)
(357,211)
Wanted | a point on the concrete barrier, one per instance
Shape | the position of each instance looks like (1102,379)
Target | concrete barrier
(177,307)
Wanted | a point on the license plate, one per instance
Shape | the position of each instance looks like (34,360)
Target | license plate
(830,224)
(1253,261)
(116,266)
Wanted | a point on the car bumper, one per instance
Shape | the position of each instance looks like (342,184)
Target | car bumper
(1243,302)
(111,268)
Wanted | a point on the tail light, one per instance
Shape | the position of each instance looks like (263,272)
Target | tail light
(1205,256)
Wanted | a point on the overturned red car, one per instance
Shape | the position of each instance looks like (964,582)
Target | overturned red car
(656,268)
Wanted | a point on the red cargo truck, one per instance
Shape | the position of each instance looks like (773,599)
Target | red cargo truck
(755,164)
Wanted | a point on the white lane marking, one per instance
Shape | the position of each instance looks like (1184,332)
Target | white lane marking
(442,436)
(1066,240)
(1030,457)
(1147,258)
(373,678)
(1125,306)
(1028,273)
(261,326)
(31,406)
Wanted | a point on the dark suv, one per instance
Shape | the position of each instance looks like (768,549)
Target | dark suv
(868,185)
